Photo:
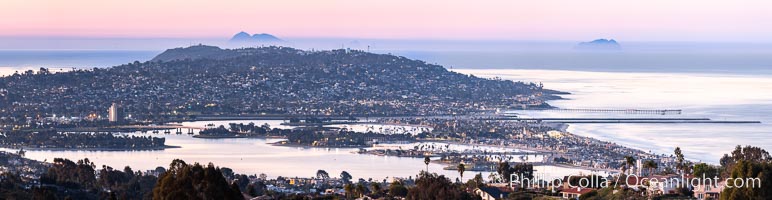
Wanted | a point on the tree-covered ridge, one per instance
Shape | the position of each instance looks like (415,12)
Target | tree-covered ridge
(48,139)
(317,137)
(66,179)
(184,181)
(272,80)
(748,163)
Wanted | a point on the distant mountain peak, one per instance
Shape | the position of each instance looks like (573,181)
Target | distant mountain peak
(265,36)
(244,37)
(241,36)
(599,44)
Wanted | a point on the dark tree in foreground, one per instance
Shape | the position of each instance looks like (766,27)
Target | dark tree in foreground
(747,153)
(375,188)
(432,186)
(80,180)
(704,170)
(183,181)
(475,182)
(752,167)
(397,189)
(520,170)
(64,172)
(504,171)
(12,187)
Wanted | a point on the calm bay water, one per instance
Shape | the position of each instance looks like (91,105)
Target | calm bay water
(254,156)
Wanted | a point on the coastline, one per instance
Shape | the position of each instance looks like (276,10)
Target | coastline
(90,148)
(284,144)
(452,167)
(236,136)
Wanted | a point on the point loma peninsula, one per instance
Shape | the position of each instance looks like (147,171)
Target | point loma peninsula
(207,80)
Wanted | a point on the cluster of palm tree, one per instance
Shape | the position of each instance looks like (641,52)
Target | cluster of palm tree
(460,167)
(629,164)
(680,160)
(650,166)
(358,190)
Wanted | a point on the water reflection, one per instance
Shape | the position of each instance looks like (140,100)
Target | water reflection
(255,156)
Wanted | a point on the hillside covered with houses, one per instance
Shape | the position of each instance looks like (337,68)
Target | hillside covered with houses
(207,80)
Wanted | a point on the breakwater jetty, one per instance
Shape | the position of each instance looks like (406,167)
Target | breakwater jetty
(624,111)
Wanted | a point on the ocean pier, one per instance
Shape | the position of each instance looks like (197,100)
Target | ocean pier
(624,120)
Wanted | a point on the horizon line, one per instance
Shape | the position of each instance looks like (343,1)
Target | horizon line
(69,37)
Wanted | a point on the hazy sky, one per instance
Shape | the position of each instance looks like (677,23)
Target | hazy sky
(653,20)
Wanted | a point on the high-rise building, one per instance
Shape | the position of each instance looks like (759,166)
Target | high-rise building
(114,113)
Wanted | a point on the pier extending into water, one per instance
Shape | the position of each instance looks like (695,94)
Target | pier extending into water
(658,122)
(625,120)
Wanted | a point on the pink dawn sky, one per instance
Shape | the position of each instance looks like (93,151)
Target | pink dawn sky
(688,20)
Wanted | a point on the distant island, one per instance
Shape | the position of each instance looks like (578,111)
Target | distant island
(244,38)
(599,44)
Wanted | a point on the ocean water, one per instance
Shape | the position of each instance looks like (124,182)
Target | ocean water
(678,60)
(12,61)
(708,95)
